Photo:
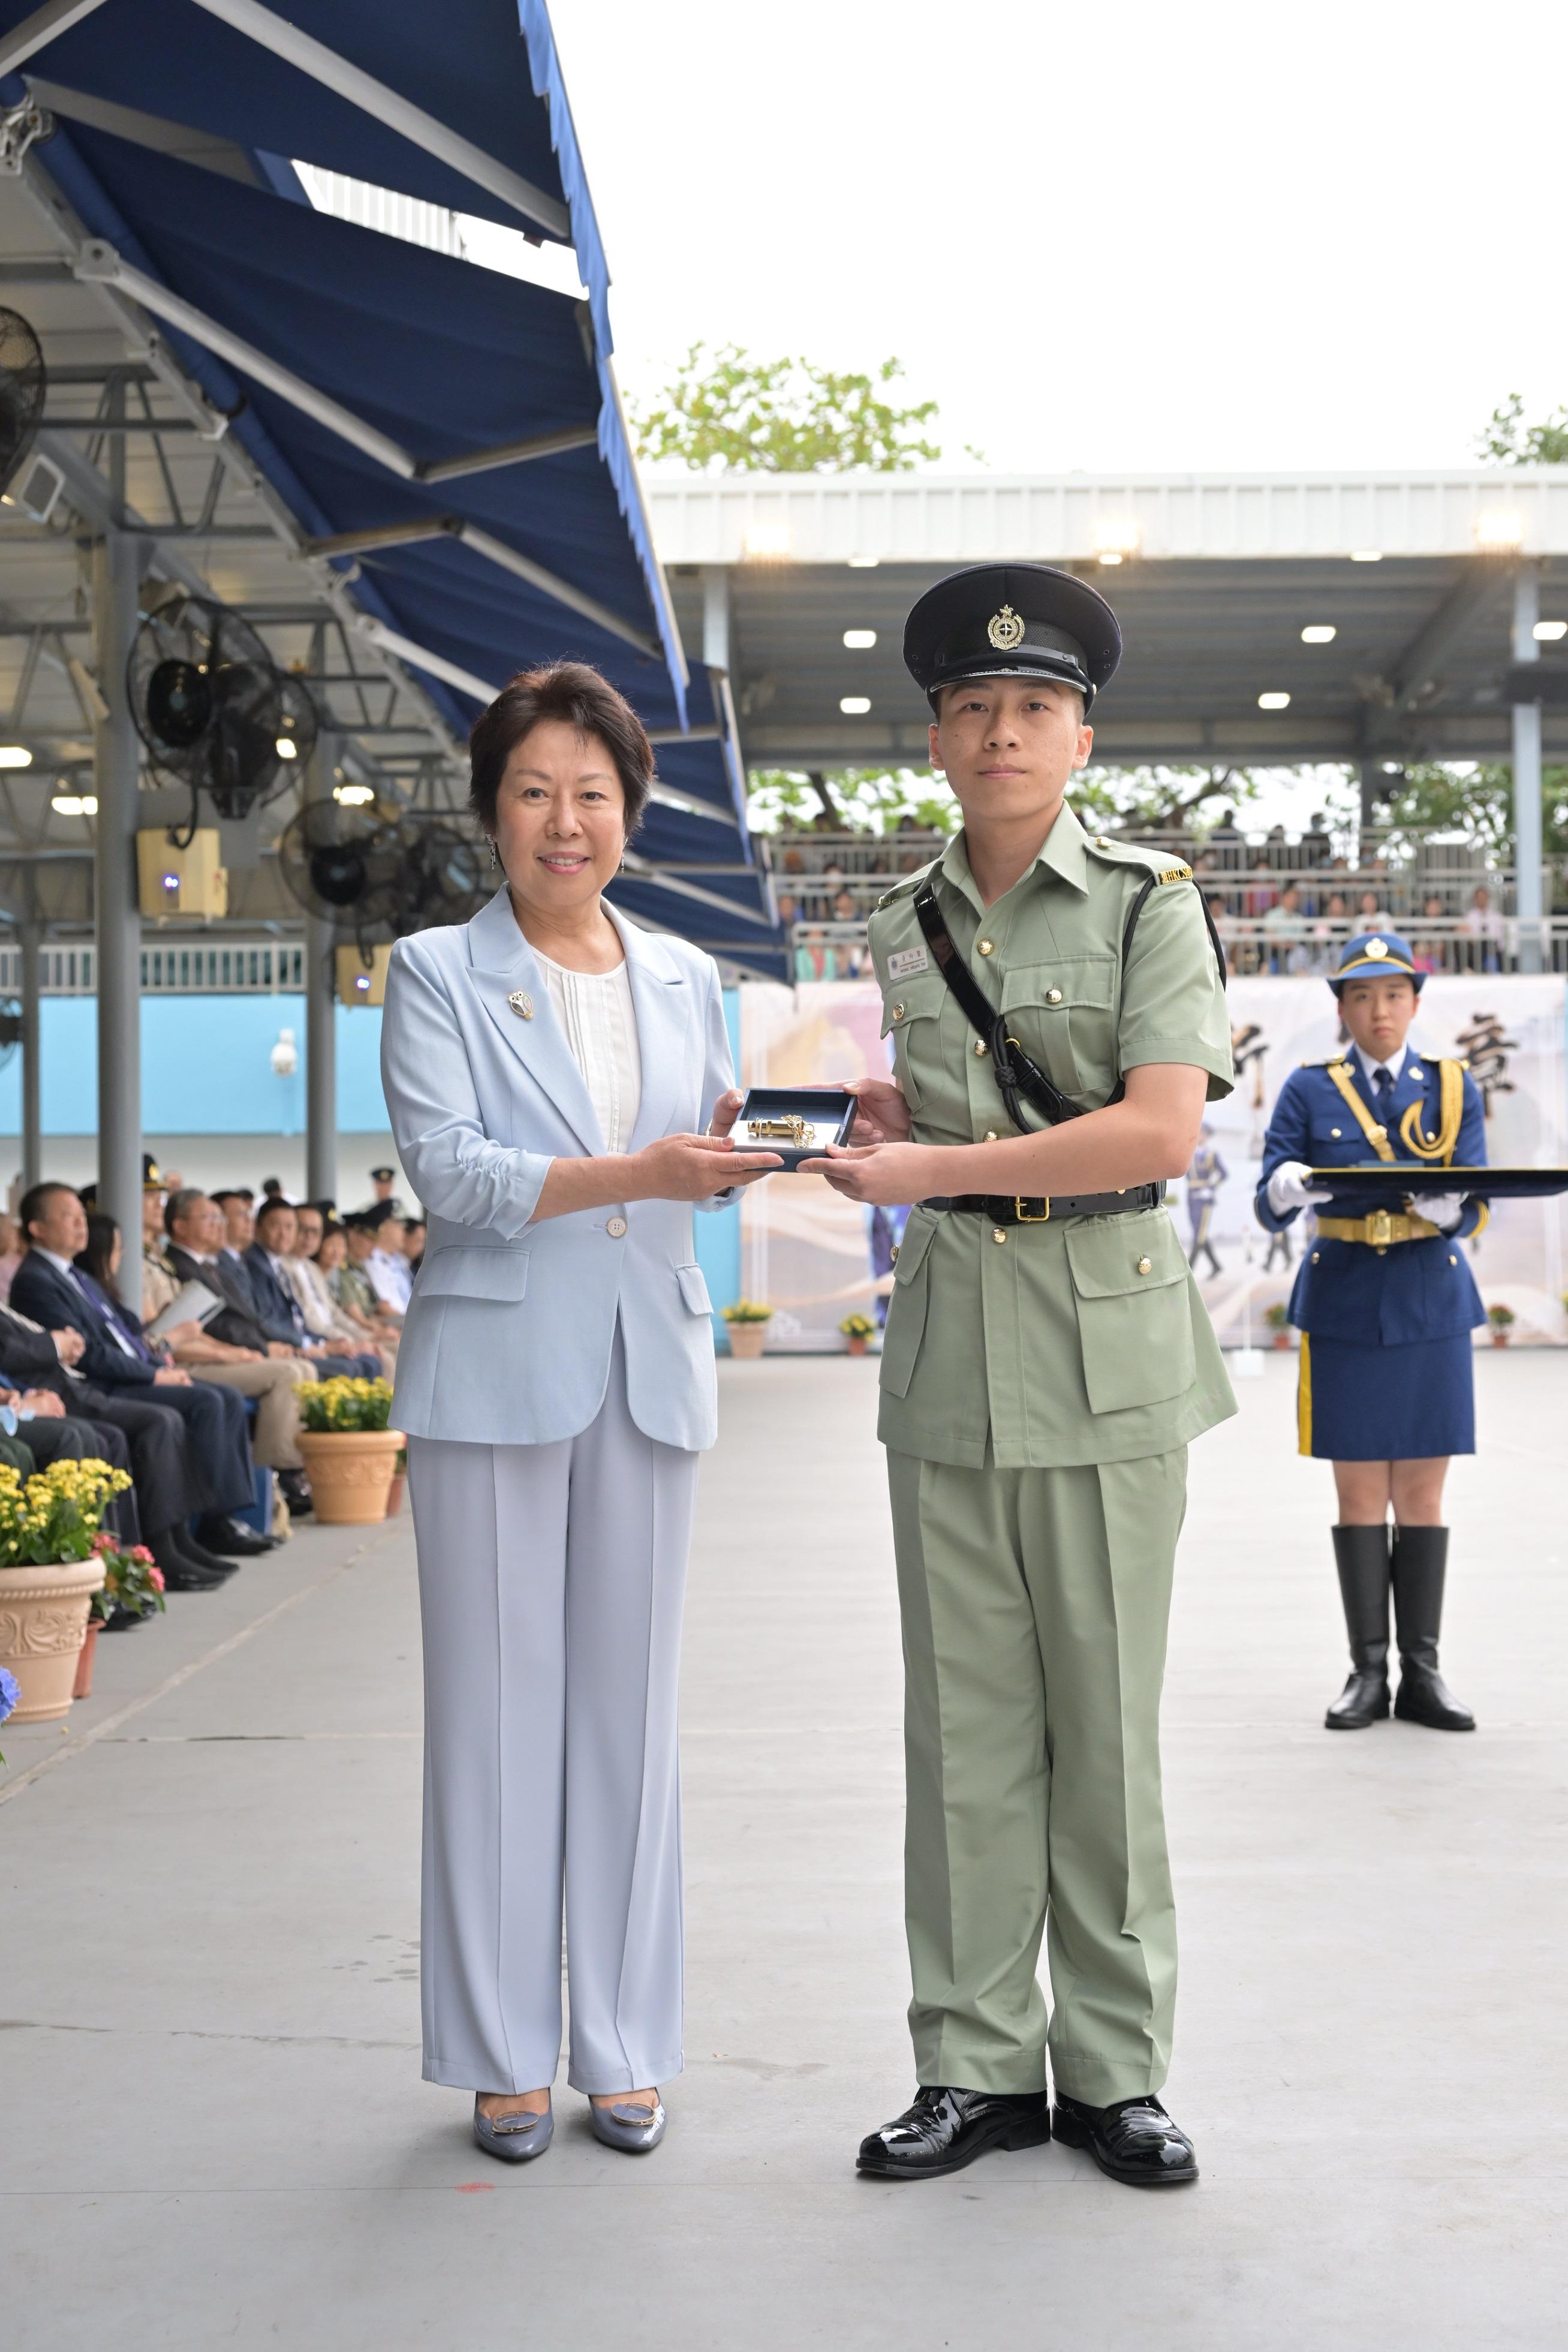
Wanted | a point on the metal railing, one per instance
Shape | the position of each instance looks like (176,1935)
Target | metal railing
(170,968)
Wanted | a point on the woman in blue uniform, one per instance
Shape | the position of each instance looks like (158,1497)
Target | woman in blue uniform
(1385,1305)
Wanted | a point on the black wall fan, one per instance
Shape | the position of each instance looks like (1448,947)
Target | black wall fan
(381,879)
(22,382)
(214,709)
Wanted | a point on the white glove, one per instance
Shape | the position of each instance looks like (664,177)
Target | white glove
(1289,1187)
(1443,1210)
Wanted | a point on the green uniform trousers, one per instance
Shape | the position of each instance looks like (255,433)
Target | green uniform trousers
(1035,1605)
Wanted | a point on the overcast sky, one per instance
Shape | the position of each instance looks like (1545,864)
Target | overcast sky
(1135,238)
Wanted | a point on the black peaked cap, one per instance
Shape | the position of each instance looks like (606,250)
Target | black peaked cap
(1012,620)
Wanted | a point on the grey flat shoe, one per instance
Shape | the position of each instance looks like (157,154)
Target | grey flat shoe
(634,2128)
(515,2138)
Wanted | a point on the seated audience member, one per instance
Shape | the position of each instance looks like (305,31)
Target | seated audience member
(10,1252)
(276,1234)
(218,1530)
(195,1254)
(1369,911)
(1284,928)
(1480,920)
(239,1230)
(351,1282)
(413,1231)
(118,1358)
(387,1264)
(324,1318)
(154,1438)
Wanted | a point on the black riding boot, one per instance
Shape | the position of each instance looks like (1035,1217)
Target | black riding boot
(1420,1557)
(1362,1555)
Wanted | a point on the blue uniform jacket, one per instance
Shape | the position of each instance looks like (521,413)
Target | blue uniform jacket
(1345,1290)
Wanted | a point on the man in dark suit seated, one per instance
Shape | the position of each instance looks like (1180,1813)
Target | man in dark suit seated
(45,1431)
(162,1413)
(276,1230)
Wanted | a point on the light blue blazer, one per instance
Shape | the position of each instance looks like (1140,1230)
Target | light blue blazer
(509,1334)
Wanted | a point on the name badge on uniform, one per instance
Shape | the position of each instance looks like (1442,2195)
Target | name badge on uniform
(908,961)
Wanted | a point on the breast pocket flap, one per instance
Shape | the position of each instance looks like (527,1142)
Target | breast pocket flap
(498,1274)
(693,1289)
(1059,985)
(912,1000)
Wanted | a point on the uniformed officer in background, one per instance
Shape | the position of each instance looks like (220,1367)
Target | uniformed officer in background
(1204,1178)
(1046,1362)
(1385,1305)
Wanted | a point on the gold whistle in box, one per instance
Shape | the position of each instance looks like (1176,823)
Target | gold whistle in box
(793,1130)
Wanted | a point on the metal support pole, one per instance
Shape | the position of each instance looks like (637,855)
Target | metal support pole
(321,1016)
(1371,775)
(29,940)
(716,615)
(116,573)
(1527,776)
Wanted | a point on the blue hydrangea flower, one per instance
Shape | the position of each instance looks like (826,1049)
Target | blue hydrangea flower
(10,1691)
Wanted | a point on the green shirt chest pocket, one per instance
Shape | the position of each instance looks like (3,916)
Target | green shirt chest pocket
(1063,1013)
(1134,1318)
(911,1016)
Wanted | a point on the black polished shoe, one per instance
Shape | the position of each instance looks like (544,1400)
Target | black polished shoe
(217,1532)
(120,1619)
(1420,1564)
(1133,2141)
(295,1489)
(184,1576)
(199,1556)
(1361,1554)
(945,2130)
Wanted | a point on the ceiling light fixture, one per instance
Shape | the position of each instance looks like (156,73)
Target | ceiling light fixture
(1499,527)
(860,640)
(1115,537)
(1549,632)
(285,749)
(353,795)
(767,539)
(854,706)
(1273,702)
(1366,555)
(1319,633)
(14,755)
(74,805)
(865,563)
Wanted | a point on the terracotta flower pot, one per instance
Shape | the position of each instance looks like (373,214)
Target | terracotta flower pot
(350,1473)
(43,1624)
(82,1686)
(395,1493)
(1282,1338)
(1499,1339)
(857,1343)
(745,1340)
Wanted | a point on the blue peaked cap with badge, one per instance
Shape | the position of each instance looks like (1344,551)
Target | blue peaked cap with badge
(1012,620)
(1373,955)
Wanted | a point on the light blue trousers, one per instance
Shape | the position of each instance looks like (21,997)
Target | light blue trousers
(551,1581)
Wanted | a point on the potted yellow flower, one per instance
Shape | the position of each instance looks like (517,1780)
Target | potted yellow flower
(746,1320)
(857,1329)
(49,1571)
(350,1453)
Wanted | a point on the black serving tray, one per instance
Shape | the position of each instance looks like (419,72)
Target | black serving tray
(825,1107)
(1399,1176)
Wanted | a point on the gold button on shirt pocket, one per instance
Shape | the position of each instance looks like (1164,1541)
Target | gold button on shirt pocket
(910,1016)
(907,1309)
(1134,1316)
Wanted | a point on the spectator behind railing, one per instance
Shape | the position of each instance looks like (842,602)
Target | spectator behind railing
(1480,921)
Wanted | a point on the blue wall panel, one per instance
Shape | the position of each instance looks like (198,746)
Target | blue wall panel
(718,1230)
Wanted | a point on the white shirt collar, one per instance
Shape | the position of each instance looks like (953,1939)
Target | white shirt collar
(54,1257)
(1394,1064)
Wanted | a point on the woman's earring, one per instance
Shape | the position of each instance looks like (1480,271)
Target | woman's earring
(493,859)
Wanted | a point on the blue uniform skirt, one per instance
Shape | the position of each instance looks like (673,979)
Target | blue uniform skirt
(1386,1404)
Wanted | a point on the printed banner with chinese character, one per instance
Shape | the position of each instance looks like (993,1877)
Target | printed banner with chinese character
(816,1258)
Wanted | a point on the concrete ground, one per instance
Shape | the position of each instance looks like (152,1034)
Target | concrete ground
(212,2126)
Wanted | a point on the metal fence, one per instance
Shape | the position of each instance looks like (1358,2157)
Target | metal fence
(231,967)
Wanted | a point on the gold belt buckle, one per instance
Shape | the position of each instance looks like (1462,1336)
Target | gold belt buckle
(1022,1213)
(1380,1229)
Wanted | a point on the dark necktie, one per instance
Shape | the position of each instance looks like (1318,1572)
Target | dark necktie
(1382,1096)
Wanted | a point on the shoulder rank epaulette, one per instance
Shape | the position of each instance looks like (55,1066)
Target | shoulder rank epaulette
(910,882)
(1148,859)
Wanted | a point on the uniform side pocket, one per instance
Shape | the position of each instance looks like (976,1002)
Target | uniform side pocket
(906,1309)
(1135,1315)
(912,1009)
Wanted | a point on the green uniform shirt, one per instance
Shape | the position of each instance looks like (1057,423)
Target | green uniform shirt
(1048,1346)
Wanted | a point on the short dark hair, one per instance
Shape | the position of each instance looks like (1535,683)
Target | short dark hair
(31,1203)
(577,694)
(232,1193)
(273,1206)
(177,1205)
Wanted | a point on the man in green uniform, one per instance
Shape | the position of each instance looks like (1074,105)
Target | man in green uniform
(1057,1007)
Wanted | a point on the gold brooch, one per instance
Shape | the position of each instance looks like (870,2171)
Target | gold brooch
(521,1003)
(1005,630)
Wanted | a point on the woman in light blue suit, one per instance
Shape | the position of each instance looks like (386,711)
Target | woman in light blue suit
(560,1089)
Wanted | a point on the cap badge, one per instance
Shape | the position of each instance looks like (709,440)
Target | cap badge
(1375,950)
(1005,630)
(522,1004)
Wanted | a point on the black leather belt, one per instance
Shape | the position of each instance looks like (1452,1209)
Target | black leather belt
(1017,1209)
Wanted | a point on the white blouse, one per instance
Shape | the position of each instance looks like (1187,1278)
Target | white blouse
(596,1014)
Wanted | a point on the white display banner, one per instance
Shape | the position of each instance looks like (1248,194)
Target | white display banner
(815,1258)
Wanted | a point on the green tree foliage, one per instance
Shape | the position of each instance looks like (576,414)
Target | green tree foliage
(1509,441)
(725,408)
(1475,803)
(874,799)
(1160,800)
